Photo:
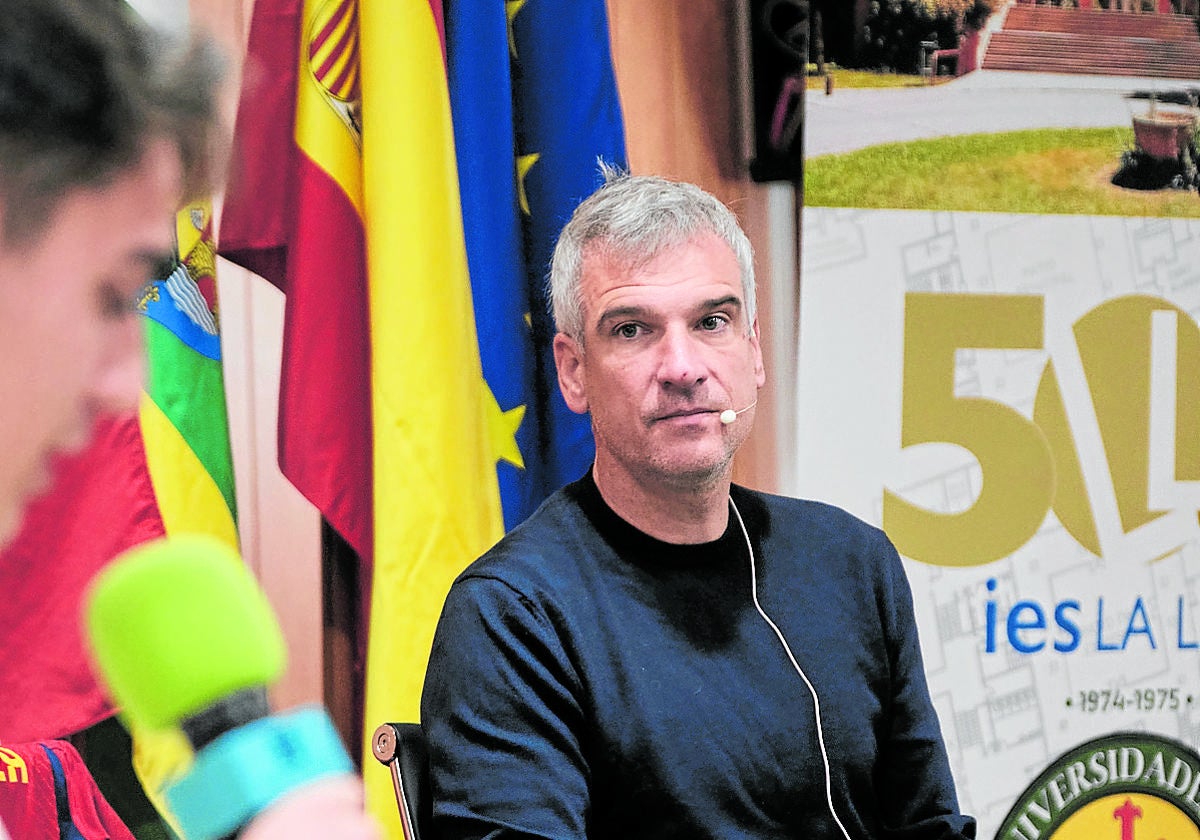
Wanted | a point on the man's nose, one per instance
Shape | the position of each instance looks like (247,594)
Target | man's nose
(120,374)
(682,359)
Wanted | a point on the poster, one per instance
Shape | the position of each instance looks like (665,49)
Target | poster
(1011,389)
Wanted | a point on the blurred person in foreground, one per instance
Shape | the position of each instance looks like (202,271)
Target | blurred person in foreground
(657,652)
(103,135)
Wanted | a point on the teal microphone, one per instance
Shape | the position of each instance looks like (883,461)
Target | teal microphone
(183,636)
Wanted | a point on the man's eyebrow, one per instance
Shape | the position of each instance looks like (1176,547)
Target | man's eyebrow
(732,301)
(620,312)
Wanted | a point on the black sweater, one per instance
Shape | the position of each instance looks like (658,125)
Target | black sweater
(589,681)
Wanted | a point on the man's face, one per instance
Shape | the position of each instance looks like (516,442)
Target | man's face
(666,348)
(70,341)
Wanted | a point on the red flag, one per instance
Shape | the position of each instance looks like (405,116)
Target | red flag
(297,224)
(101,504)
(385,416)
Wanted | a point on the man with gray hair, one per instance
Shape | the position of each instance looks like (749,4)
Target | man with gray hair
(657,652)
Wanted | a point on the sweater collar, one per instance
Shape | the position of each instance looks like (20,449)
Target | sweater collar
(628,540)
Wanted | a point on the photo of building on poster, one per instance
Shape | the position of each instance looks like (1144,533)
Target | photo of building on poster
(999,364)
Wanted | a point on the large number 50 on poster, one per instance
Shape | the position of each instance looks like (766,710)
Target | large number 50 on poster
(1030,465)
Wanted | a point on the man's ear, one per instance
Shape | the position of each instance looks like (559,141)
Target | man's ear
(760,371)
(568,360)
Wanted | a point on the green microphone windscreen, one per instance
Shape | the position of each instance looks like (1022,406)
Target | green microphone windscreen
(177,624)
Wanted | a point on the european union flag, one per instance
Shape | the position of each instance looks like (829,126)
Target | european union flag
(534,103)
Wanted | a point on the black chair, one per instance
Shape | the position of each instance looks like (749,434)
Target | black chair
(402,747)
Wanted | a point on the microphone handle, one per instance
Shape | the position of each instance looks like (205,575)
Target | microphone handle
(226,714)
(242,772)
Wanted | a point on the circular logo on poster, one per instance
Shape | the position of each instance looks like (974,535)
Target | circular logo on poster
(1124,786)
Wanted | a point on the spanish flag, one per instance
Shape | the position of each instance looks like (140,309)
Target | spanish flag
(345,195)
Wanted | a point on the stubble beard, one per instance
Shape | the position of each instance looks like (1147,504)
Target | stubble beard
(688,475)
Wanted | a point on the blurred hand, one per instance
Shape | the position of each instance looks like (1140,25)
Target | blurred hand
(330,808)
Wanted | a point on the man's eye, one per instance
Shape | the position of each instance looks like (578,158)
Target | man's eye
(628,330)
(712,322)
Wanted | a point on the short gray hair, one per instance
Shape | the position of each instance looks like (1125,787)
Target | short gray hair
(634,218)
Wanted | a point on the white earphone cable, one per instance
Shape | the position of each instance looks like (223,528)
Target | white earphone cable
(791,658)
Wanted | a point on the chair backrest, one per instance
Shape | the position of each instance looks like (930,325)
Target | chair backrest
(402,747)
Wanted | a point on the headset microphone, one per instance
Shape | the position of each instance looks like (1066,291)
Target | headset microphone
(729,415)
